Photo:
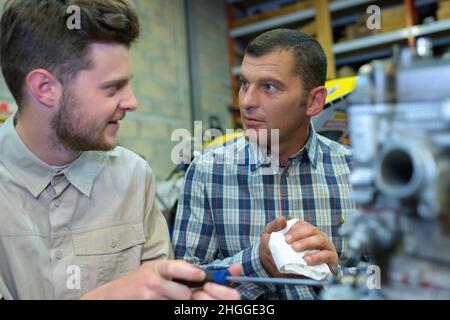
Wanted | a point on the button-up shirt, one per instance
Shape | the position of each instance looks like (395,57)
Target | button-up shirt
(230,193)
(65,231)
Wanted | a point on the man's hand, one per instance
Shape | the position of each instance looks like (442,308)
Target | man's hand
(213,291)
(304,236)
(152,281)
(264,251)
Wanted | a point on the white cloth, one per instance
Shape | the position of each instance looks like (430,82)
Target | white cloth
(289,261)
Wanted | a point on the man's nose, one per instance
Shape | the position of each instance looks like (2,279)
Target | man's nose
(248,99)
(129,102)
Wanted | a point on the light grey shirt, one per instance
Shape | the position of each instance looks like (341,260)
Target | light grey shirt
(64,234)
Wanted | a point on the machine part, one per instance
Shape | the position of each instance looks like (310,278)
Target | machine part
(400,132)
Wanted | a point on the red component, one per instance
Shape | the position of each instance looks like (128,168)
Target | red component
(4,107)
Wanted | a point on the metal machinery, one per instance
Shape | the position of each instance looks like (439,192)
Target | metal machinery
(399,123)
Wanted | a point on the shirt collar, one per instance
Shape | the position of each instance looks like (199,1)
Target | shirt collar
(312,146)
(83,171)
(36,174)
(260,158)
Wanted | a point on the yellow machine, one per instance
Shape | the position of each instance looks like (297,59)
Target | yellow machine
(332,122)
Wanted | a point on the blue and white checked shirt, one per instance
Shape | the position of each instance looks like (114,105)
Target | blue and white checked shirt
(230,194)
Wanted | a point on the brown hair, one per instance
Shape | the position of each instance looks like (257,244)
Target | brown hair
(310,59)
(35,34)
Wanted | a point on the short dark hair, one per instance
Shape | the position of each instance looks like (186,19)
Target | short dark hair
(34,34)
(309,57)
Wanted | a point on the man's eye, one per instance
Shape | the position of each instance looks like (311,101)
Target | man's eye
(113,89)
(270,88)
(244,84)
(111,92)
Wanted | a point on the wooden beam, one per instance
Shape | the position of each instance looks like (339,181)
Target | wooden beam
(325,34)
(411,19)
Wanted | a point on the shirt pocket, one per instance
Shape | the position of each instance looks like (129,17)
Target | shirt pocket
(105,254)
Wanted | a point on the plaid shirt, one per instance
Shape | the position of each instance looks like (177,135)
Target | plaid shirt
(230,194)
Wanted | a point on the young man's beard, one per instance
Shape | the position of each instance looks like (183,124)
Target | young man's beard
(72,130)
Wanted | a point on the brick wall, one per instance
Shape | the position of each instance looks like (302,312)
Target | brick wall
(213,61)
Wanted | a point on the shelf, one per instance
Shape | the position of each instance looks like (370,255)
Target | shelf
(306,14)
(386,38)
(293,17)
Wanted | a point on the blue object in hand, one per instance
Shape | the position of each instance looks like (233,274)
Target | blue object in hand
(217,276)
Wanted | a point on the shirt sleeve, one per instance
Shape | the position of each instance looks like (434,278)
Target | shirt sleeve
(195,238)
(157,244)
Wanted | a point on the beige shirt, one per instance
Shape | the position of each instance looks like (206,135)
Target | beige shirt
(65,233)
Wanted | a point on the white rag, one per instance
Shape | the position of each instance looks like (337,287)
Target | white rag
(289,261)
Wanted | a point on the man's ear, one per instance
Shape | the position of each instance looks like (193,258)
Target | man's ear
(317,97)
(43,86)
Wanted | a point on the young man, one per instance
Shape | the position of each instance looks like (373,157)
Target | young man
(229,207)
(77,214)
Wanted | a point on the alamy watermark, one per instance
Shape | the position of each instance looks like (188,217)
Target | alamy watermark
(374,20)
(263,142)
(73,281)
(73,22)
(374,277)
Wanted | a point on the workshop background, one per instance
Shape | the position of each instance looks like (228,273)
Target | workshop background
(187,59)
(186,66)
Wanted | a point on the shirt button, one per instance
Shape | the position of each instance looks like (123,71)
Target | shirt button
(57,203)
(59,255)
(342,221)
(114,243)
(286,173)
